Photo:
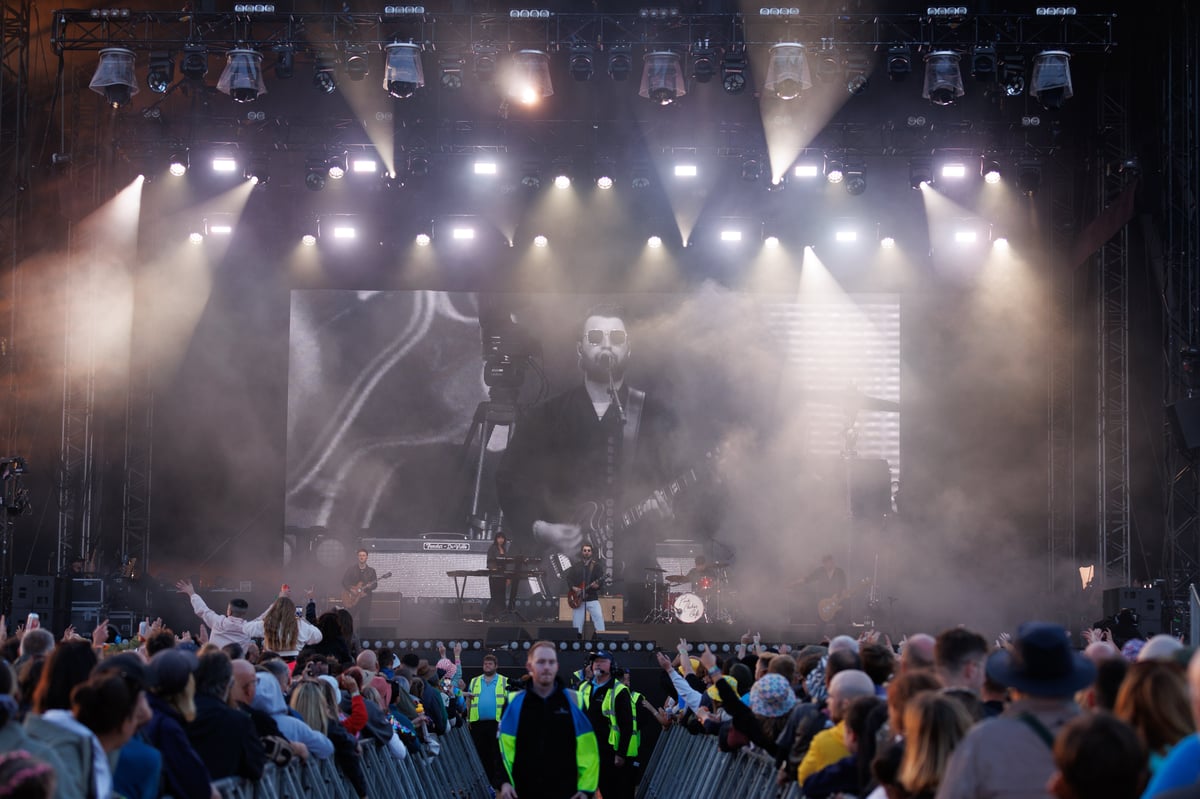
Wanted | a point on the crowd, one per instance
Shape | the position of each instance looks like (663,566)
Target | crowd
(945,717)
(950,717)
(174,715)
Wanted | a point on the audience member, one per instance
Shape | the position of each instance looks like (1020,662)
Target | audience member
(24,775)
(225,738)
(268,698)
(1043,672)
(1097,756)
(829,746)
(934,724)
(958,656)
(917,652)
(1181,766)
(172,699)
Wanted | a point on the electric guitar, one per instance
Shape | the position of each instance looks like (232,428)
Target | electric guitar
(356,592)
(590,516)
(576,593)
(831,606)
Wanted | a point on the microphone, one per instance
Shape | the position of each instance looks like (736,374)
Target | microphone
(606,360)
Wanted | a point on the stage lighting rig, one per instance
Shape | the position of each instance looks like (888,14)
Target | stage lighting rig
(733,69)
(620,61)
(114,78)
(662,78)
(579,62)
(161,72)
(704,61)
(357,64)
(943,78)
(242,77)
(403,74)
(485,62)
(788,74)
(452,71)
(1051,79)
(983,63)
(285,61)
(323,77)
(1012,74)
(195,61)
(899,62)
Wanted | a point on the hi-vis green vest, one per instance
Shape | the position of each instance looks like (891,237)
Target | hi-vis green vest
(500,686)
(636,746)
(608,708)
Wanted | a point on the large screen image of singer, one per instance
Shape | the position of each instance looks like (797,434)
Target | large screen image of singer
(747,407)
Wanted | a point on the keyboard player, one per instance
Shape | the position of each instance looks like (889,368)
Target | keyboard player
(500,580)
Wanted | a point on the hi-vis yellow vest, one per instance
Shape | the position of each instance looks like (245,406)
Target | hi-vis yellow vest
(607,707)
(500,686)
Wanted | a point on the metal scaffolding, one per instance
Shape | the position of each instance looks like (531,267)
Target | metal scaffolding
(1180,140)
(1112,347)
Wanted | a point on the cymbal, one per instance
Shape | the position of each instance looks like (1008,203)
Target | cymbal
(655,569)
(677,578)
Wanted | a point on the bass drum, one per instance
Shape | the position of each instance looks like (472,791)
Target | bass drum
(689,608)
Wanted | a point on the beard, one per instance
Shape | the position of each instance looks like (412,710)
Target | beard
(598,373)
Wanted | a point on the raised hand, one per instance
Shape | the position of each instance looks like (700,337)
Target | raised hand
(203,634)
(68,633)
(664,662)
(707,659)
(185,587)
(100,634)
(457,651)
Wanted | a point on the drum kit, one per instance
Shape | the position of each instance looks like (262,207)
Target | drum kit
(678,598)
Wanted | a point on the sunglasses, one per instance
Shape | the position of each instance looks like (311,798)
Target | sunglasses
(615,337)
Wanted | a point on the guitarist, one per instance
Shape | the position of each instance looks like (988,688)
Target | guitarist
(602,442)
(825,582)
(361,579)
(584,581)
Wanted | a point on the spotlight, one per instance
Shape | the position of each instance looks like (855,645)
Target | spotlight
(777,184)
(920,172)
(751,169)
(1051,78)
(485,62)
(308,240)
(771,242)
(452,72)
(807,169)
(418,166)
(954,169)
(887,243)
(258,168)
(531,177)
(357,65)
(620,62)
(114,76)
(943,79)
(1012,75)
(316,173)
(731,236)
(733,69)
(179,164)
(990,170)
(285,61)
(224,163)
(336,166)
(196,237)
(834,171)
(195,61)
(604,169)
(787,71)
(662,78)
(704,61)
(856,179)
(845,236)
(858,69)
(899,62)
(604,182)
(422,240)
(484,168)
(161,72)
(323,77)
(531,76)
(562,181)
(403,74)
(579,63)
(686,170)
(242,77)
(639,177)
(1000,243)
(1029,177)
(983,63)
(364,165)
(541,241)
(965,237)
(654,242)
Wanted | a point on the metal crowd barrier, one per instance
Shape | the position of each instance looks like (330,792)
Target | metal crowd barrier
(455,772)
(686,766)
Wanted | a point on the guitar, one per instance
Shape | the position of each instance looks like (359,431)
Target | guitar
(576,593)
(831,606)
(356,592)
(590,516)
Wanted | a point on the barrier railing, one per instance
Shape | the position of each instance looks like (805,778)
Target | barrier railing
(455,772)
(686,766)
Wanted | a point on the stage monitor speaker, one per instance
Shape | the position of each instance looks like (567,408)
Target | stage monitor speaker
(1185,421)
(555,633)
(1146,602)
(612,635)
(32,594)
(502,635)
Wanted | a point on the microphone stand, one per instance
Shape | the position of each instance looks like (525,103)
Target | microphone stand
(612,392)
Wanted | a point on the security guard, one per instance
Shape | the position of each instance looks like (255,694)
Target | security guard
(547,743)
(489,696)
(609,707)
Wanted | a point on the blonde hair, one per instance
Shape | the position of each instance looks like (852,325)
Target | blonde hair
(185,700)
(281,631)
(308,699)
(371,693)
(933,725)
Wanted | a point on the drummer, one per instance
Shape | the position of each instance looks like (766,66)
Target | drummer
(701,575)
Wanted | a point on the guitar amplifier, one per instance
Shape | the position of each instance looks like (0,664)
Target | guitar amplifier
(612,606)
(419,566)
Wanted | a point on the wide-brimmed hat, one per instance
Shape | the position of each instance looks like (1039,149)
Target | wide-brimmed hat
(772,696)
(1041,662)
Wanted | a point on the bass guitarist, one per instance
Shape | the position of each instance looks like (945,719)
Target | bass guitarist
(827,584)
(584,580)
(602,445)
(359,582)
